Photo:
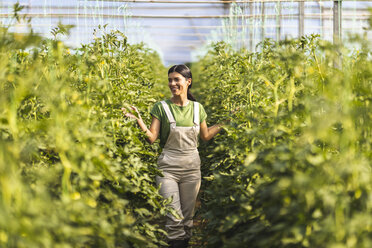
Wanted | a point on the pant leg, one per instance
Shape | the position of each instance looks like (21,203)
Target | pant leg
(170,188)
(189,188)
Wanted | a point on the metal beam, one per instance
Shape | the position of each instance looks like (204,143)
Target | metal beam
(263,21)
(212,2)
(113,8)
(360,16)
(278,21)
(185,34)
(366,15)
(301,18)
(251,31)
(337,31)
(337,21)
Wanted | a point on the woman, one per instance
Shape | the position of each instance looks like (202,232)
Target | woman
(178,120)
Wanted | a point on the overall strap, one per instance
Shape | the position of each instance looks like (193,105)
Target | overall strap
(196,114)
(168,112)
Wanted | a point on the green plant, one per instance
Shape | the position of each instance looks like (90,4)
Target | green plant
(292,169)
(74,172)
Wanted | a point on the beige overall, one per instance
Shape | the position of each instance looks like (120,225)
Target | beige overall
(180,164)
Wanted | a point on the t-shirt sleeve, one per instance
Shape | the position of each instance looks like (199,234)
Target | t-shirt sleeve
(203,114)
(155,111)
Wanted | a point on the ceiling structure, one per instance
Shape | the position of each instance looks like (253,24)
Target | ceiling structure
(179,29)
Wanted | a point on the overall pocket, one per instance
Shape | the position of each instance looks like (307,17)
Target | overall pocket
(161,159)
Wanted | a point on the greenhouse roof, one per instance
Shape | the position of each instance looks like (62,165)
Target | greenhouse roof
(179,30)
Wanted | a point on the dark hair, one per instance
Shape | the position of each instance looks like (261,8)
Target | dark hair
(185,72)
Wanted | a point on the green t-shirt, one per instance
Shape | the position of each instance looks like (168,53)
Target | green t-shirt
(184,116)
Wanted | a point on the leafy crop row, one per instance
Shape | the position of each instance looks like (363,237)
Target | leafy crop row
(293,167)
(73,172)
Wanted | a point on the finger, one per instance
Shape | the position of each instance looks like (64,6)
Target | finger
(125,110)
(137,111)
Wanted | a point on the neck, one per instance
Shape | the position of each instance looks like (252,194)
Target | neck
(180,100)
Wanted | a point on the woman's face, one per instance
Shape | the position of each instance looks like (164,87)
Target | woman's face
(178,84)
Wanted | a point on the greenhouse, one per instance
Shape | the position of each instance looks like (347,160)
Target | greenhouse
(179,30)
(176,123)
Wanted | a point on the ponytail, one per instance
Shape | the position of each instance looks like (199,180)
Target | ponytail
(189,95)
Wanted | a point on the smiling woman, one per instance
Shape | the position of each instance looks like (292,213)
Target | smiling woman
(179,120)
(175,75)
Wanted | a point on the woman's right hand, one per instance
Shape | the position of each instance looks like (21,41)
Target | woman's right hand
(232,113)
(130,115)
(153,132)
